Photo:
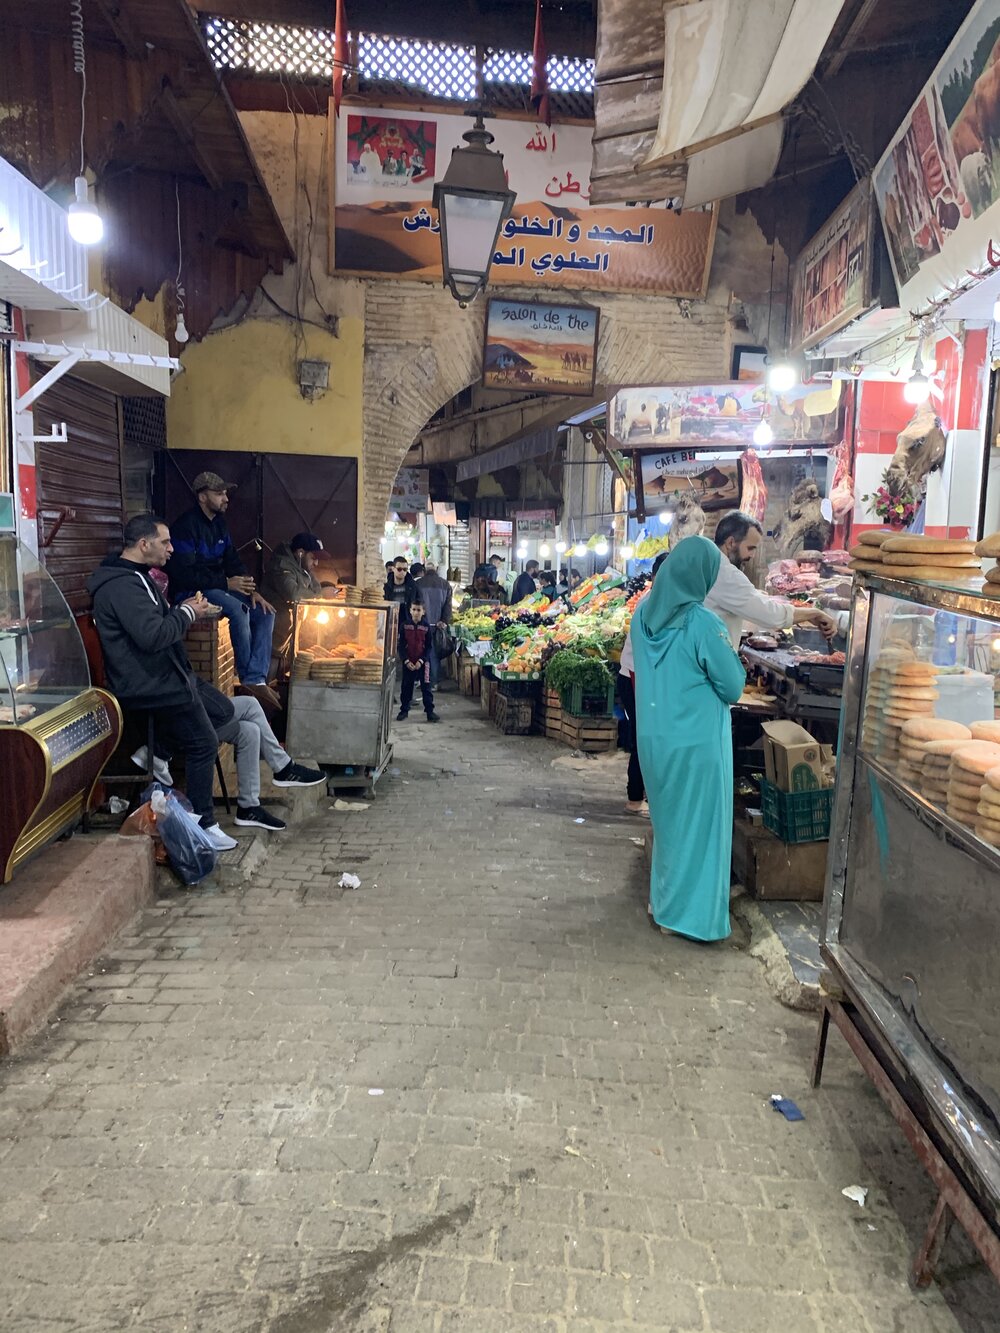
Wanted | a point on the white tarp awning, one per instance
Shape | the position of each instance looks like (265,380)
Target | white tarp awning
(730,66)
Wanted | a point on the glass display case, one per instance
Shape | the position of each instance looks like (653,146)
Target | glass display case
(341,688)
(56,731)
(913,886)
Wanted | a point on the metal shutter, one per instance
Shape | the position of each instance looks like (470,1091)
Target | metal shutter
(80,512)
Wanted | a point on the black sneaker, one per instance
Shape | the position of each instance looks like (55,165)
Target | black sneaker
(258,817)
(294,775)
(401,716)
(433,717)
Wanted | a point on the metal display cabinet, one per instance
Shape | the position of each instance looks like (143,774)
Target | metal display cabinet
(56,732)
(912,909)
(340,696)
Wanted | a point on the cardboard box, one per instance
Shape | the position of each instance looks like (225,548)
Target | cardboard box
(771,869)
(794,760)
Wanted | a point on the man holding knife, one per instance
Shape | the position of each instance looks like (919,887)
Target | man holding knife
(204,559)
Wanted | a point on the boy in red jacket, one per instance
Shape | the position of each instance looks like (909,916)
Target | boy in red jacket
(414,649)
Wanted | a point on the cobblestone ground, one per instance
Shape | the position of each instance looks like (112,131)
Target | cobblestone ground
(478,1094)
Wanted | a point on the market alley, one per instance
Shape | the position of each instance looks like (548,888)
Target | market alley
(479,1093)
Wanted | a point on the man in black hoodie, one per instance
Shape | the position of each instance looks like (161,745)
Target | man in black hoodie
(145,663)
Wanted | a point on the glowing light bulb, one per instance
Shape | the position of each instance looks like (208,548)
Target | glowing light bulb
(601,548)
(545,550)
(580,549)
(781,377)
(522,552)
(996,645)
(763,434)
(560,547)
(85,223)
(917,388)
(323,617)
(181,334)
(666,518)
(341,615)
(628,551)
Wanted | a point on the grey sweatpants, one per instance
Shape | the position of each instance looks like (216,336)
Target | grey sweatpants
(252,740)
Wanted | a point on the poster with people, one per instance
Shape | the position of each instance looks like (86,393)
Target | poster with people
(831,279)
(384,223)
(938,183)
(687,414)
(540,346)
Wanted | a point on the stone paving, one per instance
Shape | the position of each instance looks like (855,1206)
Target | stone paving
(477,1094)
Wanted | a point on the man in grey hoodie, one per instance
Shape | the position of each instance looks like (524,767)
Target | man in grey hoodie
(435,594)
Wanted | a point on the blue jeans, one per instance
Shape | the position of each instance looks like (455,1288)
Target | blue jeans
(434,662)
(250,628)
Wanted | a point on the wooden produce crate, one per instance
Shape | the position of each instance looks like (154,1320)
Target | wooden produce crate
(488,696)
(210,652)
(592,735)
(548,715)
(469,676)
(514,717)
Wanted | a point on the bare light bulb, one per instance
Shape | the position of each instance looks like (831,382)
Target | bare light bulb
(560,547)
(763,434)
(781,377)
(580,550)
(628,551)
(85,223)
(601,548)
(544,550)
(522,552)
(666,518)
(181,334)
(917,388)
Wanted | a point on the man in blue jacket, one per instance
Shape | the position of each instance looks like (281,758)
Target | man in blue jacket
(205,560)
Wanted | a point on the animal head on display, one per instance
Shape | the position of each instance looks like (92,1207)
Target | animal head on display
(802,526)
(689,517)
(920,449)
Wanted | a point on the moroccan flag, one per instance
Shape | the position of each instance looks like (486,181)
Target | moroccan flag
(539,77)
(339,56)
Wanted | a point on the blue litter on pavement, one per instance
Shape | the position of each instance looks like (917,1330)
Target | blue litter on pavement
(787,1108)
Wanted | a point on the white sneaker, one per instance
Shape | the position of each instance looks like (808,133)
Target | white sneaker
(221,841)
(161,770)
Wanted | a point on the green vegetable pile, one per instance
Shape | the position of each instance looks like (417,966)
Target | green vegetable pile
(567,668)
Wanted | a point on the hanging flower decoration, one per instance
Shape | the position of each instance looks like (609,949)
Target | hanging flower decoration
(897,507)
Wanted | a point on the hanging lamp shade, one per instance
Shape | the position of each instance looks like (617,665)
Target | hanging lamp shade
(473,202)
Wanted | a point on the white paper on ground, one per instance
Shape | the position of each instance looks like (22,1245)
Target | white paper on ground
(857,1193)
(340,804)
(349,882)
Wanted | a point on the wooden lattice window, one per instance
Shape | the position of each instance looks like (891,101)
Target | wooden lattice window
(270,48)
(437,68)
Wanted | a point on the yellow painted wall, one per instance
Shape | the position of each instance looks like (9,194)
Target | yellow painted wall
(239,390)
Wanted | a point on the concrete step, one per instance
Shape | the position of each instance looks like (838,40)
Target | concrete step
(58,915)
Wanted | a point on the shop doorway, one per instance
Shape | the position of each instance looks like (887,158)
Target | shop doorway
(275,496)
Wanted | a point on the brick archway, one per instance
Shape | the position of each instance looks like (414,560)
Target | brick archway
(421,349)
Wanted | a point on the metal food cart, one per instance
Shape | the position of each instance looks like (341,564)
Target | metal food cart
(912,905)
(341,690)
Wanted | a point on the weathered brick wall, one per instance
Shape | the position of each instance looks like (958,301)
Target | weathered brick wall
(421,349)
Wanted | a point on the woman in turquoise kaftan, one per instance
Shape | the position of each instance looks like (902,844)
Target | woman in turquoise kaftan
(686,677)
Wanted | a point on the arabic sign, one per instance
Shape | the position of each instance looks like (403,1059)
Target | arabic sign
(385,225)
(939,182)
(700,415)
(535,524)
(831,279)
(534,344)
(411,491)
(713,483)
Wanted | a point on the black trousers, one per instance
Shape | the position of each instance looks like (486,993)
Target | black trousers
(410,679)
(186,729)
(636,788)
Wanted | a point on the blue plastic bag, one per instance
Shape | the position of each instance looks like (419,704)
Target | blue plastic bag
(192,853)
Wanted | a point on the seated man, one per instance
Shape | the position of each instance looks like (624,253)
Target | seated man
(244,725)
(145,663)
(205,560)
(290,576)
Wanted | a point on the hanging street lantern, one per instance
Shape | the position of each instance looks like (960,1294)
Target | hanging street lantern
(473,202)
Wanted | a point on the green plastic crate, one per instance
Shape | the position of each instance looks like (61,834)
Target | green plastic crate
(796,816)
(591,704)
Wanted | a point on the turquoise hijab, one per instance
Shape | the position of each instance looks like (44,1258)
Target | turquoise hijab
(683,580)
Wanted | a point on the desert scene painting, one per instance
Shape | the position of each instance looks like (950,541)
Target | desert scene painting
(548,348)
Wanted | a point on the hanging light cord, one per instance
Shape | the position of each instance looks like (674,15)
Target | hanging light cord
(79,66)
(178,289)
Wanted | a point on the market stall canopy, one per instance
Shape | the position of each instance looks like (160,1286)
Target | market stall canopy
(708,124)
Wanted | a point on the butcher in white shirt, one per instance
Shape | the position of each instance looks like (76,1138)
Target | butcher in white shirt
(735,600)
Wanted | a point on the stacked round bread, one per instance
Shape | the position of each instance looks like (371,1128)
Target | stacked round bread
(905,556)
(969,765)
(989,549)
(916,735)
(900,689)
(988,810)
(935,769)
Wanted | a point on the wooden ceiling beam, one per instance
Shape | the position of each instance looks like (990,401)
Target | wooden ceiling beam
(850,38)
(174,113)
(123,29)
